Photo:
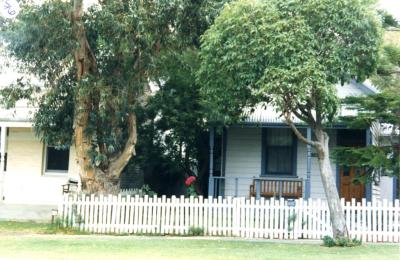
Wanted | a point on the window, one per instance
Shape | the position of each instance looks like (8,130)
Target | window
(279,152)
(57,159)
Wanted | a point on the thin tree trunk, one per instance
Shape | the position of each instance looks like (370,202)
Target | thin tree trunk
(331,193)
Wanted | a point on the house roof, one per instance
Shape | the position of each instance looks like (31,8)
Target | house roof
(268,114)
(24,113)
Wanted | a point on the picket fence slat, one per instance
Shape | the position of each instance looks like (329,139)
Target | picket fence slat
(372,221)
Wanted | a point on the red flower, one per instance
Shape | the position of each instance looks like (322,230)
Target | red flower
(190,180)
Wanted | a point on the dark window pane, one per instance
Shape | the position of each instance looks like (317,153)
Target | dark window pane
(279,137)
(57,160)
(279,152)
(279,160)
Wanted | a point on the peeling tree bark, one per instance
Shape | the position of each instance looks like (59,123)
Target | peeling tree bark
(94,179)
(118,164)
(85,62)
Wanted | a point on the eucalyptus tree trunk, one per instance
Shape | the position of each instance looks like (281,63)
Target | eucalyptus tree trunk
(107,181)
(93,178)
(85,63)
(332,195)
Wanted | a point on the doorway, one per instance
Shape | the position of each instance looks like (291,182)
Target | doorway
(348,188)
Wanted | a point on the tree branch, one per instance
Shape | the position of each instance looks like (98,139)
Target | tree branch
(300,116)
(307,111)
(297,132)
(118,163)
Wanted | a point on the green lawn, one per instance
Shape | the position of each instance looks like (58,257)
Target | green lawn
(23,227)
(22,245)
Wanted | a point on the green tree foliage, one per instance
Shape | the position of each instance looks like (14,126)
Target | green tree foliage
(174,139)
(289,54)
(382,157)
(388,72)
(95,69)
(387,19)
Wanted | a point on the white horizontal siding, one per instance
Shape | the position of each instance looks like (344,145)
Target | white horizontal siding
(25,181)
(386,188)
(243,158)
(317,189)
(243,161)
(375,130)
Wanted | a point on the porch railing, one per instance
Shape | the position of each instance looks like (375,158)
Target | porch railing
(257,187)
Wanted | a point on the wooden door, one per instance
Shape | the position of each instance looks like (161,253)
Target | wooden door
(348,189)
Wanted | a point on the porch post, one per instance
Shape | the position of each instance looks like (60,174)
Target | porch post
(368,186)
(3,141)
(308,178)
(211,163)
(258,188)
(395,188)
(236,187)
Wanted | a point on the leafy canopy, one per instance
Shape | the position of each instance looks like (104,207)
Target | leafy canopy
(383,157)
(126,39)
(289,53)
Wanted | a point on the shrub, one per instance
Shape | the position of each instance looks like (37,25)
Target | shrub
(341,242)
(196,231)
(328,241)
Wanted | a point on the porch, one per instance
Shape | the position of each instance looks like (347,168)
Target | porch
(268,161)
(265,187)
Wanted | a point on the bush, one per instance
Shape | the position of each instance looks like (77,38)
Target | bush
(196,231)
(341,242)
(328,241)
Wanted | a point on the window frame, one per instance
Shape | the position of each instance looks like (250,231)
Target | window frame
(264,164)
(46,171)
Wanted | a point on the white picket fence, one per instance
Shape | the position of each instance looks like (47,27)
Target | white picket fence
(377,221)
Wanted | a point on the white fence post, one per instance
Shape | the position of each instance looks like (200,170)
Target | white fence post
(374,221)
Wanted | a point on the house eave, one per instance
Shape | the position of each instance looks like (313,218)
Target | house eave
(282,125)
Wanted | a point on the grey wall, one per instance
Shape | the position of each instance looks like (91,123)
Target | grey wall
(243,158)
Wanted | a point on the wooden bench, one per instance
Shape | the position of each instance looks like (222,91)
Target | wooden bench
(291,189)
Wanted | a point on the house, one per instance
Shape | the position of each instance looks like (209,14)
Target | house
(31,171)
(261,156)
(245,156)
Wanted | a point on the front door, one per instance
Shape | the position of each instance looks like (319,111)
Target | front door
(348,189)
